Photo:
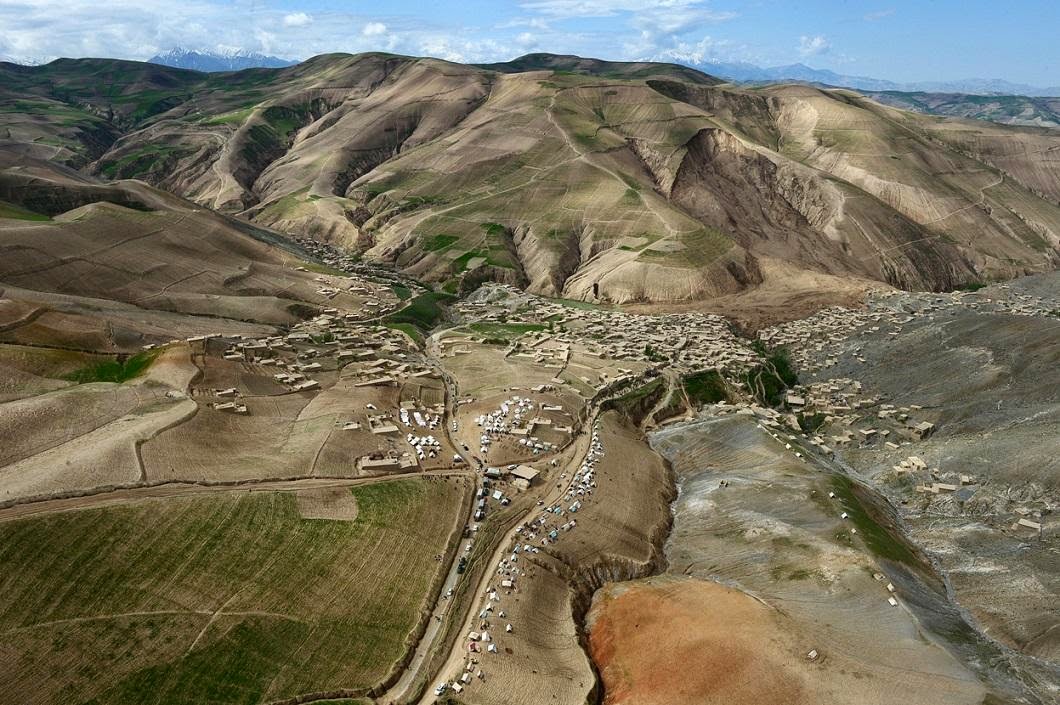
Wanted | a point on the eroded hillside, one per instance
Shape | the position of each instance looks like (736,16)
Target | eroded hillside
(567,176)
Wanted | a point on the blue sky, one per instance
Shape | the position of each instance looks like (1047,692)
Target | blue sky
(906,40)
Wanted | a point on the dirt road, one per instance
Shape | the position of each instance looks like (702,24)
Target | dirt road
(570,459)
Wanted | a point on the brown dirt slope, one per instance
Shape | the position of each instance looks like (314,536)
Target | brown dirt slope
(130,243)
(629,181)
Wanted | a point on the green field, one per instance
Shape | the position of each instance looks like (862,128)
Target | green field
(705,387)
(230,598)
(505,331)
(423,311)
(10,210)
(583,305)
(409,330)
(438,242)
(142,160)
(117,370)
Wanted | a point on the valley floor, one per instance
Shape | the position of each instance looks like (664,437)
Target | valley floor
(400,496)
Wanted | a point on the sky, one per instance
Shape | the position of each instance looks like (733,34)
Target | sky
(907,40)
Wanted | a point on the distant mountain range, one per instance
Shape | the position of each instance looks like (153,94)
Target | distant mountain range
(210,61)
(25,61)
(745,72)
(742,72)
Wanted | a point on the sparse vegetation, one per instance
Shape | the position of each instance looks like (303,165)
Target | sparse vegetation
(236,117)
(409,330)
(652,354)
(142,160)
(636,403)
(879,539)
(574,303)
(705,387)
(10,210)
(424,311)
(121,369)
(504,331)
(437,242)
(810,423)
(768,381)
(460,263)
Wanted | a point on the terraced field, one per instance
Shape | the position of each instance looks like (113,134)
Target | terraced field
(233,598)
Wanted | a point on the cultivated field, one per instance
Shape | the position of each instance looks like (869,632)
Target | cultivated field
(231,598)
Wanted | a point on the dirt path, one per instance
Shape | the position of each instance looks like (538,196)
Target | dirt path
(673,385)
(426,646)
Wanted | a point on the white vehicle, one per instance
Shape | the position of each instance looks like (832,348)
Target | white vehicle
(442,687)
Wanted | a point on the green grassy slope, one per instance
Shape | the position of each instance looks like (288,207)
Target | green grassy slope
(231,598)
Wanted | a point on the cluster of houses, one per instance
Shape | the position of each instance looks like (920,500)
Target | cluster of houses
(373,281)
(816,342)
(685,342)
(1019,304)
(856,418)
(339,344)
(513,418)
(548,528)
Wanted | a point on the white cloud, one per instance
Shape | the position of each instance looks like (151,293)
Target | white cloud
(531,22)
(139,29)
(879,14)
(655,23)
(676,20)
(669,11)
(374,29)
(813,46)
(526,41)
(297,19)
(705,50)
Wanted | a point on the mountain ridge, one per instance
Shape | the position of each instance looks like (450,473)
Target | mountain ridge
(211,61)
(571,177)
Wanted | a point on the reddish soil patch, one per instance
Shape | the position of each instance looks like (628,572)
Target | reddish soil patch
(670,641)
